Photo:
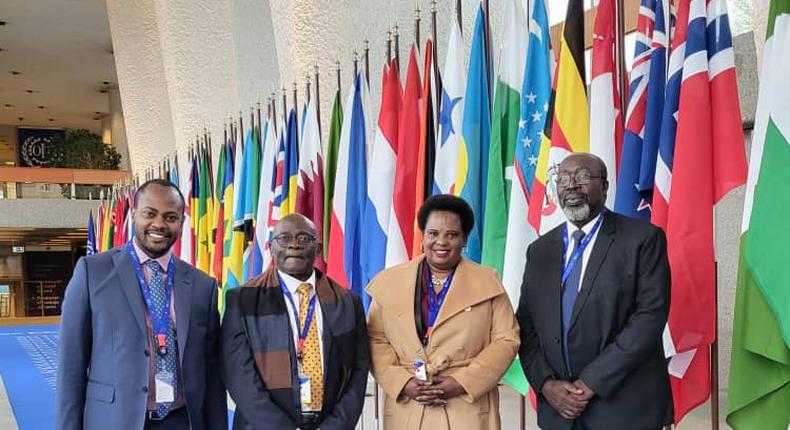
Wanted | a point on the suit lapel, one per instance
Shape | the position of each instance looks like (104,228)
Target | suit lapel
(597,256)
(553,262)
(130,287)
(182,294)
(399,299)
(325,297)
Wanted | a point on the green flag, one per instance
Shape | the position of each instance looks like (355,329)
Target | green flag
(330,167)
(504,131)
(760,364)
(505,121)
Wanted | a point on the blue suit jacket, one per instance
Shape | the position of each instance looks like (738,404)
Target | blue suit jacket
(103,356)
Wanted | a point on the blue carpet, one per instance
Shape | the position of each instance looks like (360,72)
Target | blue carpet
(28,363)
(28,359)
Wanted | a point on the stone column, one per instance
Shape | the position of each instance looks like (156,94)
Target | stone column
(118,127)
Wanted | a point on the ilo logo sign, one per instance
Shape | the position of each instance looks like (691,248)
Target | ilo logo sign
(35,145)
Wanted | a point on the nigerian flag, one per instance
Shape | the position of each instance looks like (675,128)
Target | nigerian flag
(504,130)
(760,365)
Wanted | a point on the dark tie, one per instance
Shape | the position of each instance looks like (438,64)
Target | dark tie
(569,293)
(166,363)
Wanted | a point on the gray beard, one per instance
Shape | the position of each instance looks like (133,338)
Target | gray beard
(576,214)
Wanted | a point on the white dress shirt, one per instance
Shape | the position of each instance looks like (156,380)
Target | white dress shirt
(292,284)
(588,250)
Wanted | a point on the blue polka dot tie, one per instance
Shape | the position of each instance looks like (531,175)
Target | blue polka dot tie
(166,363)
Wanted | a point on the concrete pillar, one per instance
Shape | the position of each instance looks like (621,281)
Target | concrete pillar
(117,127)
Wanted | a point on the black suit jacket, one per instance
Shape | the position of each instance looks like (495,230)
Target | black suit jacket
(259,357)
(616,327)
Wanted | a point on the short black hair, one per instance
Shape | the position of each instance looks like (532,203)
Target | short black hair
(162,183)
(450,203)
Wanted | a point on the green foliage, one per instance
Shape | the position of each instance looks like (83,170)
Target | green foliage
(84,150)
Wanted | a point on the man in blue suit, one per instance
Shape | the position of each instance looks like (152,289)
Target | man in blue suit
(139,332)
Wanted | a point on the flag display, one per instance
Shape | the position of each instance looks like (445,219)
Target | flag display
(709,161)
(760,361)
(567,128)
(672,153)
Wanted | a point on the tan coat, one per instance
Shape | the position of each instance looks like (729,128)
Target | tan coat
(474,340)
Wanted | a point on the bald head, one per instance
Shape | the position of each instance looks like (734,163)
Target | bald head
(295,245)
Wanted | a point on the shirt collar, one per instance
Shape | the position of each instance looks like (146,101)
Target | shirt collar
(292,283)
(163,261)
(586,228)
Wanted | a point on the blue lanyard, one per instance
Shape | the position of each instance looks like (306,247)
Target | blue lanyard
(435,302)
(307,321)
(160,321)
(574,258)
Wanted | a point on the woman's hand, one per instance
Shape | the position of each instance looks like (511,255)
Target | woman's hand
(448,387)
(423,392)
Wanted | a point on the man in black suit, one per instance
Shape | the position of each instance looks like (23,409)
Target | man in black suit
(294,342)
(594,303)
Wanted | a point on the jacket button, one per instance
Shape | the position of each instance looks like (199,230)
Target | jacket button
(556,340)
(146,353)
(145,389)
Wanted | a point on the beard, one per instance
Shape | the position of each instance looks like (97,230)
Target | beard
(577,213)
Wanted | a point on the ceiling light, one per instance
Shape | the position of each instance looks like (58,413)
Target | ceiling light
(8,105)
(14,72)
(29,91)
(51,119)
(3,23)
(40,107)
(20,118)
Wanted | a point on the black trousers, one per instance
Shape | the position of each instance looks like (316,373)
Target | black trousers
(175,420)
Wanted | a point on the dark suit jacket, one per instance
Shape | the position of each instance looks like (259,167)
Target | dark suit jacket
(615,334)
(103,355)
(259,356)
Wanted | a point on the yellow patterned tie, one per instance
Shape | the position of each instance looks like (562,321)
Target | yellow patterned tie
(311,352)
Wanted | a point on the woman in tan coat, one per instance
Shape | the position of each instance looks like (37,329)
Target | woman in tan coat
(449,313)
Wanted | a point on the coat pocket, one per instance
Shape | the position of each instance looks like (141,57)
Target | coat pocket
(101,392)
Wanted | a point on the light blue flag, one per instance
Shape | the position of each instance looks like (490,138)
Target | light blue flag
(476,132)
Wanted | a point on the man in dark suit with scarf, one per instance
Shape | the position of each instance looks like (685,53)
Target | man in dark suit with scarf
(294,342)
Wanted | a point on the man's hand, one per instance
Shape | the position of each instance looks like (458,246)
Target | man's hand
(422,392)
(587,392)
(448,386)
(565,398)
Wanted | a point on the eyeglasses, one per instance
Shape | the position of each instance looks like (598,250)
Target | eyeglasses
(301,239)
(580,178)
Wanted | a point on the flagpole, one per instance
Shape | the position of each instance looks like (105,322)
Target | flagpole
(307,88)
(396,35)
(317,100)
(260,128)
(274,110)
(356,64)
(296,118)
(337,72)
(619,40)
(714,352)
(367,62)
(436,75)
(459,16)
(417,23)
(389,47)
(285,105)
(487,37)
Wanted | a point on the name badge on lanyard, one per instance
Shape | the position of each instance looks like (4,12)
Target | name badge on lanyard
(160,321)
(579,252)
(301,332)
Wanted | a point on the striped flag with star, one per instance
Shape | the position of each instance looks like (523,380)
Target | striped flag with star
(535,93)
(505,120)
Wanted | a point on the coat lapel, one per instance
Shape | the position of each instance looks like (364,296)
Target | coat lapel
(182,294)
(130,287)
(597,256)
(465,291)
(399,299)
(325,297)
